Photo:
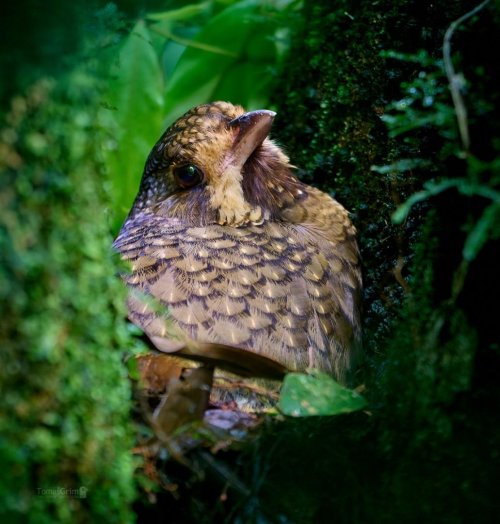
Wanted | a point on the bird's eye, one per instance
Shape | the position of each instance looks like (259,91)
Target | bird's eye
(188,175)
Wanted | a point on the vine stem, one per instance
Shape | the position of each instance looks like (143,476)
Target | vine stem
(456,80)
(193,43)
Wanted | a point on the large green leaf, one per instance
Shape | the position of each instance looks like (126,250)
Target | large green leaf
(317,394)
(240,86)
(231,58)
(136,102)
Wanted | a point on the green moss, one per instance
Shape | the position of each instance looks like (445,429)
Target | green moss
(64,423)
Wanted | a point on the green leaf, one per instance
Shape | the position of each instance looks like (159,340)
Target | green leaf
(433,188)
(405,164)
(239,85)
(422,57)
(135,96)
(317,394)
(133,368)
(485,228)
(244,31)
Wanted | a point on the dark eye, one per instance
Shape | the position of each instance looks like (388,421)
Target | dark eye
(188,175)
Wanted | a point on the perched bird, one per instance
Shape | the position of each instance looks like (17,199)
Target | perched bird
(236,262)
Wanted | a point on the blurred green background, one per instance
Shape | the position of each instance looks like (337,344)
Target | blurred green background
(153,61)
(365,112)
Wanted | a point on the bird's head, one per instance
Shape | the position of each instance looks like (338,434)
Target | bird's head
(216,164)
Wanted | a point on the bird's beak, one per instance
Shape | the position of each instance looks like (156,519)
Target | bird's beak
(250,130)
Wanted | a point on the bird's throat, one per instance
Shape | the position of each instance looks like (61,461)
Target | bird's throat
(228,200)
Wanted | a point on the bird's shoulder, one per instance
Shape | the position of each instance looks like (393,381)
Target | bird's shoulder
(319,213)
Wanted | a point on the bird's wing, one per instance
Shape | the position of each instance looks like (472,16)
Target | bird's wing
(182,296)
(333,278)
(277,291)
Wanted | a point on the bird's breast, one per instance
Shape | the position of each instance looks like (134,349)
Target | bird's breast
(270,288)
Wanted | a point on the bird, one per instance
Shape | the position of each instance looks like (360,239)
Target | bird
(235,262)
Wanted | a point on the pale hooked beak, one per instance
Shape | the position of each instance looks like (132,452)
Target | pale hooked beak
(251,130)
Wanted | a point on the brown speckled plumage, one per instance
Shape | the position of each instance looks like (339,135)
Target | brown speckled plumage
(249,261)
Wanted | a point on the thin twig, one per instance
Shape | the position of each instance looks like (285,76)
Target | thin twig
(456,80)
(225,472)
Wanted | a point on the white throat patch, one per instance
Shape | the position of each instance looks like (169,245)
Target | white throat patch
(226,196)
